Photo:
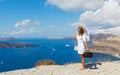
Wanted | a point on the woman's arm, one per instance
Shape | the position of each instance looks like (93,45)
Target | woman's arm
(74,37)
(86,45)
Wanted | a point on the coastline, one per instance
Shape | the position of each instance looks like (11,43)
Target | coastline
(16,45)
(107,45)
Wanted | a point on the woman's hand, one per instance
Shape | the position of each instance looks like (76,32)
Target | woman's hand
(86,45)
(87,48)
(74,36)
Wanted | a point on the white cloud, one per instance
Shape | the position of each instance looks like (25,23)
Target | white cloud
(36,22)
(27,22)
(23,23)
(104,19)
(32,29)
(25,27)
(113,30)
(5,33)
(76,5)
(74,24)
(18,32)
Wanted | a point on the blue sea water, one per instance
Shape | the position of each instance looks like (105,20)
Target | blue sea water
(61,51)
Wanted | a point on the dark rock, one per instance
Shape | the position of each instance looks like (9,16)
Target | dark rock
(16,45)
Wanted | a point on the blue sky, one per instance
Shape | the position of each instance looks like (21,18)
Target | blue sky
(57,18)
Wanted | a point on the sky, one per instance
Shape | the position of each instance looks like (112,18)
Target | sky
(57,18)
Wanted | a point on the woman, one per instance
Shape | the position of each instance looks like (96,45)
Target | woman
(82,45)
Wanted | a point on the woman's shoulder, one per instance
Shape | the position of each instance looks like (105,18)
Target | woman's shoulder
(83,35)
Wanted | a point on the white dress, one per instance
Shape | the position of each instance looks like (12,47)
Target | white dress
(81,45)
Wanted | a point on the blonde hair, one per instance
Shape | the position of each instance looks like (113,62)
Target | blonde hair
(81,31)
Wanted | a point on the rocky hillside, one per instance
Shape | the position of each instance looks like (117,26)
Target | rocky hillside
(99,37)
(106,43)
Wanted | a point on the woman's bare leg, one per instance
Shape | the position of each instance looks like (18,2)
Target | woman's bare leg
(83,62)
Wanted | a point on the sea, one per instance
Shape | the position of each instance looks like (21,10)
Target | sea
(60,51)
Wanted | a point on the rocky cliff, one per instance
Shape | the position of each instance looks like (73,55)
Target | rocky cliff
(106,43)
